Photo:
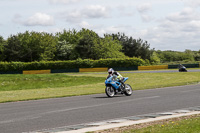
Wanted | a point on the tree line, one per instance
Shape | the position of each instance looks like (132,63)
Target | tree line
(71,45)
(176,56)
(83,44)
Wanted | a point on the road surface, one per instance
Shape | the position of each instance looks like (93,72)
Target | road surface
(28,116)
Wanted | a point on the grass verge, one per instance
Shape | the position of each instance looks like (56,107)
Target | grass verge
(191,125)
(41,81)
(34,94)
(187,124)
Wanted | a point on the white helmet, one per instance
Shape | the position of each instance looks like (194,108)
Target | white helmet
(110,71)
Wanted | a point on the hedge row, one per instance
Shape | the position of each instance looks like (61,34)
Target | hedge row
(72,64)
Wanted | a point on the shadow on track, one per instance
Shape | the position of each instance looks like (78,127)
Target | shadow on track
(102,97)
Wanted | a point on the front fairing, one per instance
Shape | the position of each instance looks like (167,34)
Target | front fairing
(111,81)
(125,78)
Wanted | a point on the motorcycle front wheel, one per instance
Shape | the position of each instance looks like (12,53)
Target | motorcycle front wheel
(128,90)
(110,92)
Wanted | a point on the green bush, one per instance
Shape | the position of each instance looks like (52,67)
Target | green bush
(11,66)
(71,64)
(125,62)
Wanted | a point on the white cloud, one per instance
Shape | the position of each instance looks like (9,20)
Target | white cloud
(146,18)
(95,11)
(192,3)
(85,24)
(144,7)
(125,10)
(185,21)
(144,10)
(88,12)
(195,24)
(74,16)
(178,30)
(185,15)
(63,1)
(40,19)
(127,29)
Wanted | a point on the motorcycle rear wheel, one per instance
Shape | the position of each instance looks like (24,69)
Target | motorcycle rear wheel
(110,92)
(128,90)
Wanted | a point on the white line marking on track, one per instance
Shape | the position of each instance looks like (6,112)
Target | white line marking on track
(19,119)
(98,105)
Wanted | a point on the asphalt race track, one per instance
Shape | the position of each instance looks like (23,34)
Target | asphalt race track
(154,71)
(29,116)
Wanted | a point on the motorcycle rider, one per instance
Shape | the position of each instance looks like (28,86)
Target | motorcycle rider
(182,68)
(116,76)
(111,72)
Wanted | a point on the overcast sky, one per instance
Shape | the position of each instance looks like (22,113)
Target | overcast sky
(165,24)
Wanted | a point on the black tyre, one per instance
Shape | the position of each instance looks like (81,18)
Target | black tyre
(110,92)
(128,90)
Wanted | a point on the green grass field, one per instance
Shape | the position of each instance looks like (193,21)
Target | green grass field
(28,87)
(40,81)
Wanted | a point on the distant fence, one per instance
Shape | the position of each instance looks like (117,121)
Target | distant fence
(103,69)
(37,72)
(93,69)
(153,67)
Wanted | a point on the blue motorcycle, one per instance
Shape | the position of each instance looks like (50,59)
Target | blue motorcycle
(114,86)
